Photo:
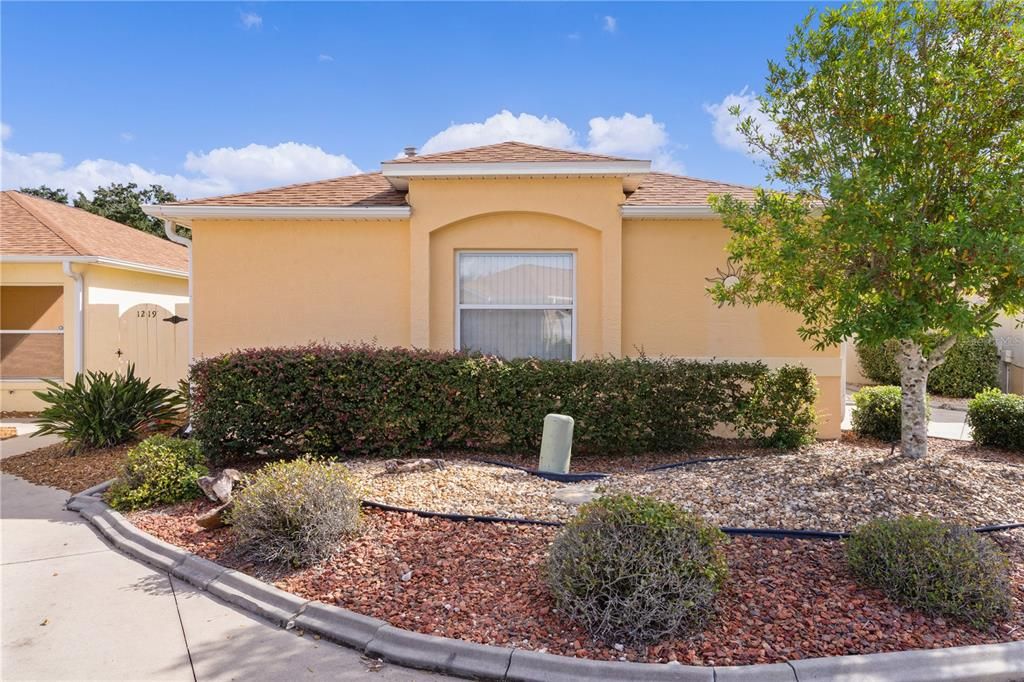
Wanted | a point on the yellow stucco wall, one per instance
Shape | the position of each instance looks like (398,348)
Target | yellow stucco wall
(667,312)
(640,283)
(107,293)
(540,213)
(280,283)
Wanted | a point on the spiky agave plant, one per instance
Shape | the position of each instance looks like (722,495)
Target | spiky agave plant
(102,409)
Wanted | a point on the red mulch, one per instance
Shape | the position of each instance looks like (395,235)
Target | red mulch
(54,466)
(786,599)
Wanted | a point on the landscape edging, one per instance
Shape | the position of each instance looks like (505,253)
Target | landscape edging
(989,662)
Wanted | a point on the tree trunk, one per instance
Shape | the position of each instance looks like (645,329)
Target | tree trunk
(914,370)
(914,382)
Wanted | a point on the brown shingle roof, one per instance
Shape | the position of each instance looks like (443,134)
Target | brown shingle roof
(664,189)
(505,152)
(30,226)
(367,189)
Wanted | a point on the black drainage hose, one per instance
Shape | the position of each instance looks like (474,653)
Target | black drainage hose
(728,530)
(549,475)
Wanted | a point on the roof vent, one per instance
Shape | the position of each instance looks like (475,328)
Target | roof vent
(410,152)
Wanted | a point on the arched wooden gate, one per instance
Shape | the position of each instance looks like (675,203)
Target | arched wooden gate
(156,341)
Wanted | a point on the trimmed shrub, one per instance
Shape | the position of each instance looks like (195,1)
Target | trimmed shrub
(779,411)
(634,569)
(363,400)
(295,512)
(877,412)
(159,470)
(101,409)
(997,419)
(925,564)
(972,365)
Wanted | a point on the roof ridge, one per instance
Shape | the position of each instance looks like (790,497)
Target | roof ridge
(518,143)
(707,180)
(23,201)
(271,189)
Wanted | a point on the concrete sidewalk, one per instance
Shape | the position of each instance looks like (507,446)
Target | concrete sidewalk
(73,608)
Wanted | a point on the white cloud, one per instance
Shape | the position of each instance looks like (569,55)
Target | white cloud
(611,24)
(574,36)
(219,171)
(47,168)
(502,127)
(127,137)
(723,123)
(257,165)
(325,58)
(251,20)
(626,134)
(5,131)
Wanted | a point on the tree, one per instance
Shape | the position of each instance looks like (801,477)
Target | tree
(121,203)
(59,195)
(897,129)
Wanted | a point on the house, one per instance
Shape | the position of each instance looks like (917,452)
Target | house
(80,292)
(510,248)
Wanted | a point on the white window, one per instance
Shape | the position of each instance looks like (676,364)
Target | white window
(516,305)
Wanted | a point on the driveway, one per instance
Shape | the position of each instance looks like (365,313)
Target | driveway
(73,608)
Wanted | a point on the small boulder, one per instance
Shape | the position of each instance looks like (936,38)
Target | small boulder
(215,518)
(407,466)
(218,488)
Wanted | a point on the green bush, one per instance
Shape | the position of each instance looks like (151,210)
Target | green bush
(997,419)
(636,569)
(159,470)
(925,564)
(972,365)
(100,409)
(779,411)
(877,412)
(295,512)
(364,400)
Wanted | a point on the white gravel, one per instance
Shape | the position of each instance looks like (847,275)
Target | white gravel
(827,486)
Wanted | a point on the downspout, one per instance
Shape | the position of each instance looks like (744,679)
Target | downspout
(79,315)
(186,242)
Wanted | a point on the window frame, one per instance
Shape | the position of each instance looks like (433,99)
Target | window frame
(61,329)
(460,306)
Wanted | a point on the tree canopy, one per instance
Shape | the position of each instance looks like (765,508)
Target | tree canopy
(121,203)
(44,192)
(897,130)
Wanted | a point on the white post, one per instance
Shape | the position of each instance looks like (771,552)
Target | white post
(556,444)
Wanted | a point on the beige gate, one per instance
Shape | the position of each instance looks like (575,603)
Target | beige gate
(155,340)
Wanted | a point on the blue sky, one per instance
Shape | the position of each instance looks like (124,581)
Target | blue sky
(214,97)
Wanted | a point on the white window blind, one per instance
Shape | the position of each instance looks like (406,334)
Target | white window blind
(517,304)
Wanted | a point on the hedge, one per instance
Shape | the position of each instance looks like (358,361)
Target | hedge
(971,366)
(997,419)
(364,400)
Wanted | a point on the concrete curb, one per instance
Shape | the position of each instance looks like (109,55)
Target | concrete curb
(985,663)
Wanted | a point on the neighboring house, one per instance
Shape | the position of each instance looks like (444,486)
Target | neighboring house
(64,270)
(510,249)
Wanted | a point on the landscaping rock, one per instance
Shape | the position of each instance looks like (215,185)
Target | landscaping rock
(218,488)
(215,518)
(576,494)
(403,466)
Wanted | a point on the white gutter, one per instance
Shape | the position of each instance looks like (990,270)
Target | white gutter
(184,215)
(172,234)
(69,271)
(95,260)
(669,212)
